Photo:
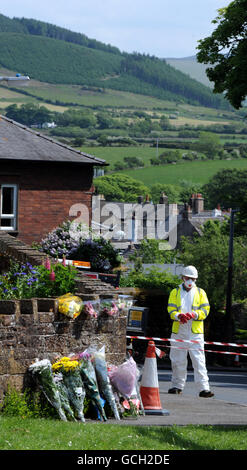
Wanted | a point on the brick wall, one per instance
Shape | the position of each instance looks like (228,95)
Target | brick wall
(33,328)
(46,192)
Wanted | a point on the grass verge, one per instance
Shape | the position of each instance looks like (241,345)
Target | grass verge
(17,433)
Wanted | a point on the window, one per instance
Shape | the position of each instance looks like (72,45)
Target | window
(8,214)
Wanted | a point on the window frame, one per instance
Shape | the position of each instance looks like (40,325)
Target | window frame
(13,216)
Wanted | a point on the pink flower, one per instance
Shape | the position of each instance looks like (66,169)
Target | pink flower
(64,261)
(89,310)
(52,276)
(47,263)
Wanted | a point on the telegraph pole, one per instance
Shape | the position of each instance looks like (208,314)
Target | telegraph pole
(229,319)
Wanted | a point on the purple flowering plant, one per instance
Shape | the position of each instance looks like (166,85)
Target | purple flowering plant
(24,281)
(19,282)
(59,242)
(85,247)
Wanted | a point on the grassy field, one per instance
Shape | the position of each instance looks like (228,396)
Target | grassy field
(77,95)
(115,154)
(196,171)
(44,434)
(81,96)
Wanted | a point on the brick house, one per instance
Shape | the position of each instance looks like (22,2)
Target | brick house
(40,179)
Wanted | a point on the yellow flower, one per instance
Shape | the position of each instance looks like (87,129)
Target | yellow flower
(66,364)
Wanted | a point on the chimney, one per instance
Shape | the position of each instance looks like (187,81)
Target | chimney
(187,211)
(197,203)
(163,199)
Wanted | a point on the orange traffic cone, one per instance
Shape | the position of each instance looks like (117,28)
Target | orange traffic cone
(149,388)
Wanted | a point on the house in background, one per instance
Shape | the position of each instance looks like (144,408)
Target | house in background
(127,224)
(40,179)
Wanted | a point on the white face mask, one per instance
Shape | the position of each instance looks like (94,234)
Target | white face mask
(189,283)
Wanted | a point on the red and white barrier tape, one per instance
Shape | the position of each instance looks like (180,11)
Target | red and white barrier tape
(196,342)
(189,341)
(209,350)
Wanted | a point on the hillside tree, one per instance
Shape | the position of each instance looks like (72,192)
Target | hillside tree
(121,188)
(207,143)
(229,189)
(226,51)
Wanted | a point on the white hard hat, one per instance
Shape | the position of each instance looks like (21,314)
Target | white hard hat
(190,271)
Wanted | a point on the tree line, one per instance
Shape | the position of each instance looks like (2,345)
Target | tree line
(57,55)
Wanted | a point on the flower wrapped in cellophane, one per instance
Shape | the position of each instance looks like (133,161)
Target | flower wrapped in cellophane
(124,302)
(70,305)
(109,307)
(103,380)
(42,374)
(73,382)
(91,308)
(64,395)
(124,379)
(89,379)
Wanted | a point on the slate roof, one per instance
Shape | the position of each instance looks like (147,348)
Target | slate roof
(19,142)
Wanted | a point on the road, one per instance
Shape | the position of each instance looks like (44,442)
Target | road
(230,386)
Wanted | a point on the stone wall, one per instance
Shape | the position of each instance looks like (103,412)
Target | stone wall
(34,328)
(12,248)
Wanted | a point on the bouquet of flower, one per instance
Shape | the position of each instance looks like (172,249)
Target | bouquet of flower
(108,308)
(124,302)
(73,382)
(88,376)
(90,308)
(70,305)
(42,373)
(131,408)
(104,381)
(123,377)
(64,395)
(65,364)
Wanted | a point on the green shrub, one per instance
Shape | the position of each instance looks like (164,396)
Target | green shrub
(33,404)
(15,404)
(27,404)
(99,252)
(82,247)
(153,279)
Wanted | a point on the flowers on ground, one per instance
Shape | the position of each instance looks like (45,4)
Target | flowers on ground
(109,389)
(42,373)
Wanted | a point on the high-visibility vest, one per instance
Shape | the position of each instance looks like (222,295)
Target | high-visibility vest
(200,306)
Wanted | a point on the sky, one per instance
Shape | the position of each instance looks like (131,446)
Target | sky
(164,28)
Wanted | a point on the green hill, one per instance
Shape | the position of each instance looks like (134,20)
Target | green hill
(53,61)
(55,55)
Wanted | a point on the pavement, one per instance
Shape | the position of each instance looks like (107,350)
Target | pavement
(184,410)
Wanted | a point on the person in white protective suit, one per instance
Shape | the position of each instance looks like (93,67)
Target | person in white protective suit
(188,307)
